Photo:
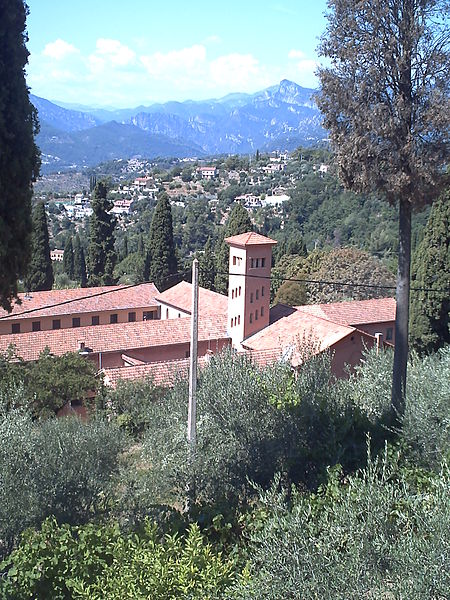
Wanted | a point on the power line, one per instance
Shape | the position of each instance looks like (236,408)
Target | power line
(335,283)
(266,277)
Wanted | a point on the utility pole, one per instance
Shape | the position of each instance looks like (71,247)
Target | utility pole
(192,408)
(193,358)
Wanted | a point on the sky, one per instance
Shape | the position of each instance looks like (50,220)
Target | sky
(126,53)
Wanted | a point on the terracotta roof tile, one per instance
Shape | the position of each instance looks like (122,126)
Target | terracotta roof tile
(289,333)
(180,296)
(81,300)
(110,338)
(160,373)
(249,239)
(356,312)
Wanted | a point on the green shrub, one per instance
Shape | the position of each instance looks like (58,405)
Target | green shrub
(60,467)
(373,535)
(97,562)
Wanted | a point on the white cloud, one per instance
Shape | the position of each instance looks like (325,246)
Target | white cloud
(185,61)
(59,49)
(296,54)
(304,68)
(234,71)
(114,52)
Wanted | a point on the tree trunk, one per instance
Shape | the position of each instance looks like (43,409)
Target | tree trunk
(402,316)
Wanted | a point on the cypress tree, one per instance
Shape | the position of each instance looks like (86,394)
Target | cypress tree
(429,325)
(207,267)
(161,244)
(238,222)
(40,271)
(102,255)
(79,263)
(19,156)
(68,258)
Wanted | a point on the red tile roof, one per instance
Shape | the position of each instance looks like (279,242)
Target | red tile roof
(180,296)
(82,300)
(249,239)
(117,337)
(160,373)
(288,329)
(356,312)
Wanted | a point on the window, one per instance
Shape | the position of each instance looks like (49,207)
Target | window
(262,311)
(234,260)
(167,313)
(235,321)
(113,318)
(148,315)
(56,324)
(257,294)
(131,317)
(240,289)
(251,297)
(256,315)
(15,328)
(389,334)
(231,323)
(263,262)
(262,291)
(76,322)
(257,262)
(95,320)
(252,263)
(232,294)
(239,319)
(36,326)
(251,317)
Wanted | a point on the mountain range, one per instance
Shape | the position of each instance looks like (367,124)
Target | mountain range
(280,117)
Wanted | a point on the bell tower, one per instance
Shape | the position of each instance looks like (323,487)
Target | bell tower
(249,285)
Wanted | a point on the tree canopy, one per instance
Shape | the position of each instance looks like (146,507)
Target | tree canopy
(430,307)
(40,270)
(102,256)
(19,155)
(385,100)
(161,244)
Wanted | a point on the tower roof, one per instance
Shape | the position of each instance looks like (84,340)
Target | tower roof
(250,238)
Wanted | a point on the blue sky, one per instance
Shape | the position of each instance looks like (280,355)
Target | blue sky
(125,53)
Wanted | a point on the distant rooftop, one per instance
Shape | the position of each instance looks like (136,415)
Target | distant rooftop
(180,296)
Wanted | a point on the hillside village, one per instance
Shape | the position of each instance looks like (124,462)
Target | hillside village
(224,322)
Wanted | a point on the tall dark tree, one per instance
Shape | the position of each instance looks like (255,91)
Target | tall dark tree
(430,309)
(161,244)
(79,262)
(19,156)
(238,222)
(40,271)
(385,99)
(102,255)
(207,267)
(68,264)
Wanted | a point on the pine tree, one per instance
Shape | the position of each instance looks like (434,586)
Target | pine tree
(102,255)
(238,222)
(68,258)
(207,267)
(19,156)
(40,271)
(384,96)
(79,263)
(161,244)
(429,325)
